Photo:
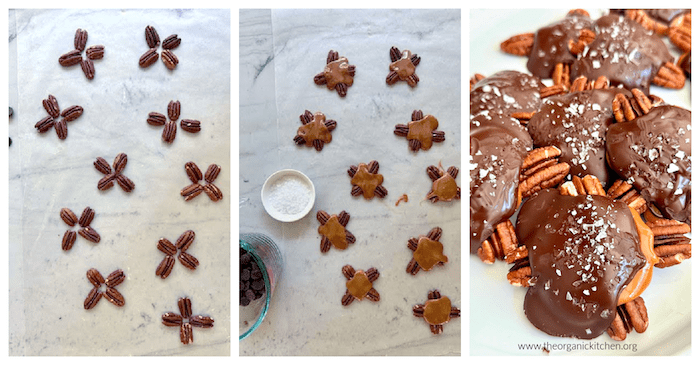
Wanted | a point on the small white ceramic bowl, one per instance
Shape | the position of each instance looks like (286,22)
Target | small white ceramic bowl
(288,195)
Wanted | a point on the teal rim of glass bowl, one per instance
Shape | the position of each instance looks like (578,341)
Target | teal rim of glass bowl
(268,288)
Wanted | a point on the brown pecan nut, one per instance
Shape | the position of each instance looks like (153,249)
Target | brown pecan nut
(95,52)
(680,32)
(93,298)
(541,169)
(585,37)
(169,59)
(71,58)
(86,217)
(95,277)
(621,190)
(69,217)
(640,16)
(202,321)
(171,42)
(191,126)
(88,68)
(185,240)
(120,163)
(114,296)
(213,192)
(671,244)
(156,119)
(171,319)
(520,274)
(548,91)
(165,267)
(474,80)
(670,76)
(561,75)
(212,173)
(174,110)
(105,183)
(148,58)
(631,315)
(68,240)
(193,172)
(190,192)
(588,185)
(185,306)
(165,246)
(72,113)
(81,37)
(44,124)
(186,334)
(61,129)
(115,278)
(169,132)
(51,106)
(152,38)
(501,245)
(102,166)
(125,183)
(188,260)
(89,234)
(519,45)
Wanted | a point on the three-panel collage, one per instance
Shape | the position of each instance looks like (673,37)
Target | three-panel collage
(338,132)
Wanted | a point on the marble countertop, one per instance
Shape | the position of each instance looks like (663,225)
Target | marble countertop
(280,52)
(47,286)
(499,330)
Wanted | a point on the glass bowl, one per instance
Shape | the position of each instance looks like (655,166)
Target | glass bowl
(268,257)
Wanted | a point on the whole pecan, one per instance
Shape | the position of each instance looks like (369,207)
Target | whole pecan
(519,45)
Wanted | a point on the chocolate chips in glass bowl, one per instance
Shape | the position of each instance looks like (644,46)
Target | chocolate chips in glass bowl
(252,284)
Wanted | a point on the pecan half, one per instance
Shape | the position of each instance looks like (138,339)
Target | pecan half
(171,42)
(679,32)
(102,166)
(212,173)
(174,110)
(520,274)
(71,58)
(585,37)
(152,38)
(671,244)
(541,169)
(171,319)
(86,217)
(93,298)
(89,234)
(166,247)
(169,132)
(148,58)
(80,40)
(640,16)
(115,278)
(88,68)
(191,126)
(670,76)
(69,217)
(588,185)
(185,240)
(561,75)
(95,52)
(193,172)
(114,296)
(621,190)
(156,119)
(631,315)
(169,59)
(125,183)
(519,45)
(72,113)
(51,106)
(120,163)
(201,321)
(502,245)
(68,240)
(165,267)
(190,192)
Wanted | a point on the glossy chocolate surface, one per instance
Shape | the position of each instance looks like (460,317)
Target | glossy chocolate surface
(583,251)
(497,148)
(653,153)
(506,92)
(551,45)
(624,52)
(577,123)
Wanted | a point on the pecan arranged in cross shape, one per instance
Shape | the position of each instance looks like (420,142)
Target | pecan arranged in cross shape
(110,293)
(85,231)
(403,67)
(74,57)
(436,311)
(359,285)
(60,125)
(444,185)
(421,132)
(186,320)
(427,252)
(110,176)
(170,250)
(191,191)
(366,180)
(631,315)
(315,130)
(333,231)
(541,169)
(170,129)
(167,56)
(338,74)
(671,244)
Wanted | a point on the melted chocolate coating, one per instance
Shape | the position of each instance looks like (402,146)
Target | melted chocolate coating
(497,147)
(583,251)
(551,45)
(624,52)
(653,153)
(506,92)
(577,123)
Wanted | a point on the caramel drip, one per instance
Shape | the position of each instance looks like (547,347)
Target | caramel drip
(403,67)
(336,72)
(335,232)
(428,253)
(643,277)
(445,188)
(437,311)
(359,285)
(422,130)
(316,129)
(366,180)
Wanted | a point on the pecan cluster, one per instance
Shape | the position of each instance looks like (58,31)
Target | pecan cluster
(75,57)
(110,176)
(52,120)
(170,250)
(195,175)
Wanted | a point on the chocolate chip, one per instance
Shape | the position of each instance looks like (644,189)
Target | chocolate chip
(258,285)
(245,274)
(244,300)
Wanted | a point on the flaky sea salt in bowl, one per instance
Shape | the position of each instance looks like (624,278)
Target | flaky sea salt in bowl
(288,195)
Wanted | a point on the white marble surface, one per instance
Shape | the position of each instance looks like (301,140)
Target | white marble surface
(503,326)
(47,285)
(280,52)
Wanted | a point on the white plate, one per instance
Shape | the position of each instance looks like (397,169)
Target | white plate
(497,321)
